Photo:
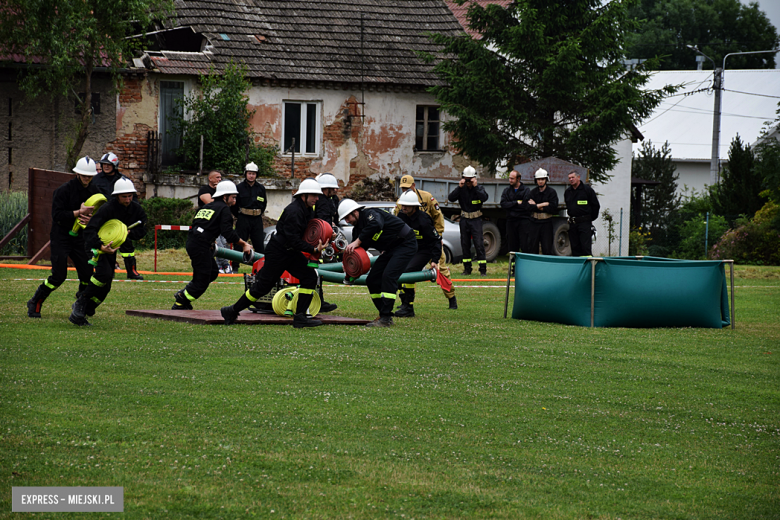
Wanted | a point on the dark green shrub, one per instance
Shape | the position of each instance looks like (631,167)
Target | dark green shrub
(692,233)
(753,241)
(13,208)
(160,211)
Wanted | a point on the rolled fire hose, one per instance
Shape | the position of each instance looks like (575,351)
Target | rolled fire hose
(113,231)
(285,302)
(356,263)
(317,230)
(95,201)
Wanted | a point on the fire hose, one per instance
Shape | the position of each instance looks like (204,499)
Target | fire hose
(95,201)
(113,232)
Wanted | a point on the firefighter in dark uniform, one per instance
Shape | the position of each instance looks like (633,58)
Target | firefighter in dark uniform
(105,181)
(430,205)
(285,253)
(128,211)
(248,210)
(212,220)
(428,247)
(583,207)
(471,196)
(205,196)
(375,228)
(327,209)
(67,205)
(543,202)
(514,200)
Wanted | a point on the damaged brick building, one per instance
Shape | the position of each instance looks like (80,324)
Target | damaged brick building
(341,78)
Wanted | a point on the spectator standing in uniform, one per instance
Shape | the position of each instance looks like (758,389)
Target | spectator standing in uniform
(326,209)
(128,211)
(583,207)
(104,181)
(543,202)
(429,205)
(471,196)
(211,221)
(428,247)
(285,253)
(514,200)
(389,234)
(67,205)
(248,210)
(205,196)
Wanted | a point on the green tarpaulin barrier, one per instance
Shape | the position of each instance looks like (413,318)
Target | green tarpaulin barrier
(628,292)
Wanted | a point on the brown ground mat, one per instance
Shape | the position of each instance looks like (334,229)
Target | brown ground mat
(213,317)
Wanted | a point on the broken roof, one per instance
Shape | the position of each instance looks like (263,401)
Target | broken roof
(461,11)
(315,40)
(748,101)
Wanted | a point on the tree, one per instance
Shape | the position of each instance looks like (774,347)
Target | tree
(545,79)
(70,40)
(660,202)
(220,113)
(717,27)
(768,164)
(739,190)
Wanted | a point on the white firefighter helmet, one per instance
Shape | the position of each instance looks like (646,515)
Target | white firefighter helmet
(309,186)
(327,180)
(123,186)
(469,172)
(86,166)
(109,158)
(251,167)
(541,173)
(409,198)
(347,206)
(225,188)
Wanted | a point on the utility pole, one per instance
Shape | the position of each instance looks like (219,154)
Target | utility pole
(717,85)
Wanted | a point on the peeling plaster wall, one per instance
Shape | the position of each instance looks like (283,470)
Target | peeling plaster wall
(353,147)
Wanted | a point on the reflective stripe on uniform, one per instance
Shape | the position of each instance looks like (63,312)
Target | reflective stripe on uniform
(96,282)
(250,297)
(391,296)
(189,296)
(50,285)
(375,296)
(305,291)
(125,255)
(407,285)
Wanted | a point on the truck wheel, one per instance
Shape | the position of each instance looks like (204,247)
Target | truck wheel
(491,238)
(561,245)
(447,255)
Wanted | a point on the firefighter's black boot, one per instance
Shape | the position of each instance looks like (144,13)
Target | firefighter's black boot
(300,320)
(229,314)
(382,321)
(407,307)
(482,267)
(453,303)
(78,316)
(132,273)
(182,302)
(35,303)
(467,267)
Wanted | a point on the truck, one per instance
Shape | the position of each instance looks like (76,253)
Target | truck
(494,216)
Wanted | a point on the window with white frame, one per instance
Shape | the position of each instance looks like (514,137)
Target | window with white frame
(302,123)
(427,129)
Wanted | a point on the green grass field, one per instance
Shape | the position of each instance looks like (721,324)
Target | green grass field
(452,414)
